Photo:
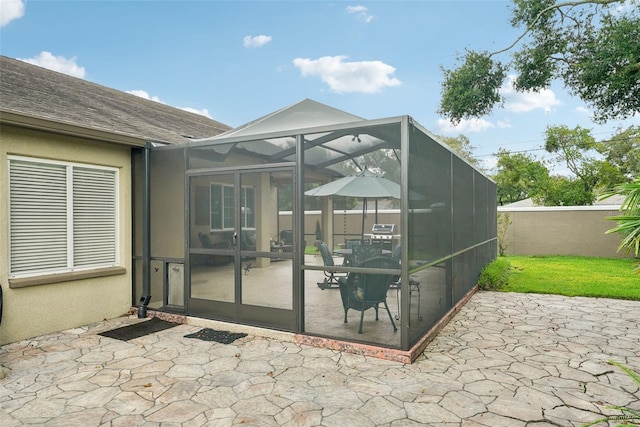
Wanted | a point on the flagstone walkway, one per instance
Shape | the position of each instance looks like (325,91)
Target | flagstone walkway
(504,360)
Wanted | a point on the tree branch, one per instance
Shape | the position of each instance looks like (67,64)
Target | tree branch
(557,6)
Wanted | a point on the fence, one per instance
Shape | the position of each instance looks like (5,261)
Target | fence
(559,230)
(346,224)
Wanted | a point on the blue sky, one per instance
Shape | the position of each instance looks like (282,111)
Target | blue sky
(235,61)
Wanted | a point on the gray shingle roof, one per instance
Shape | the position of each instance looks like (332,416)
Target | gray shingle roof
(34,91)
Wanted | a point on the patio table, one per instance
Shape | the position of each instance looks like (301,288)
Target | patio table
(346,253)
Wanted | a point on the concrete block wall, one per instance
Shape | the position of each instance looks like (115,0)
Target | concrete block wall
(561,230)
(558,230)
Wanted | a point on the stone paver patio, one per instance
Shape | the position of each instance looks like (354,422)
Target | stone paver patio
(504,360)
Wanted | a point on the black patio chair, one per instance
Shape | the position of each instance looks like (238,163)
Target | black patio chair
(361,253)
(362,291)
(286,236)
(331,279)
(396,255)
(397,252)
(205,240)
(349,244)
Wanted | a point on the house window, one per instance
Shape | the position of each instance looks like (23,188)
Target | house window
(222,207)
(62,217)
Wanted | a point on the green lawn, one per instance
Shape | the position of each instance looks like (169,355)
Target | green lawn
(574,276)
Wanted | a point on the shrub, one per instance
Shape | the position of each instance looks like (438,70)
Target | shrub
(504,221)
(495,275)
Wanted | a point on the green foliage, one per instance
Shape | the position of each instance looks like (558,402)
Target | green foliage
(495,275)
(629,219)
(519,176)
(628,414)
(609,176)
(574,276)
(574,148)
(588,44)
(461,145)
(383,162)
(504,221)
(622,152)
(473,89)
(570,143)
(563,191)
(606,74)
(633,375)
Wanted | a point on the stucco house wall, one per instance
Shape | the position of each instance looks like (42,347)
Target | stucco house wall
(51,116)
(42,308)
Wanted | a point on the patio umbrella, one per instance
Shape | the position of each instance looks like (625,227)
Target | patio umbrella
(365,185)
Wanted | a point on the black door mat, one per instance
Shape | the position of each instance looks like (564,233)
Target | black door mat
(223,337)
(138,330)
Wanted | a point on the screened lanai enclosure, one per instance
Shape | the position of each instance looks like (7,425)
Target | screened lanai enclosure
(223,228)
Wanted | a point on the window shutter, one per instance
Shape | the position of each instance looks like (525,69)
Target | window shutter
(38,216)
(94,217)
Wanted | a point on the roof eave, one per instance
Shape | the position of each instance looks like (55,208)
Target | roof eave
(52,126)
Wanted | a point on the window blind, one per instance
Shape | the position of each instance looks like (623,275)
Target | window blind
(94,217)
(38,217)
(62,217)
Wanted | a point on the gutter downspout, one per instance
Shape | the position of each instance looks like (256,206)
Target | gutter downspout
(146,234)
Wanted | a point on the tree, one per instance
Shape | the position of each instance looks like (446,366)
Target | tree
(384,162)
(622,151)
(564,191)
(461,145)
(590,45)
(519,176)
(573,148)
(609,176)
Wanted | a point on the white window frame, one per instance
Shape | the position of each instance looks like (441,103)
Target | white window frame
(244,215)
(113,237)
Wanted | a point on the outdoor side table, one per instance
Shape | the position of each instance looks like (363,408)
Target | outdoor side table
(414,286)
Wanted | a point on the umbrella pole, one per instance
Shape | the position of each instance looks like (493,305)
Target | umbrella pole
(376,217)
(364,214)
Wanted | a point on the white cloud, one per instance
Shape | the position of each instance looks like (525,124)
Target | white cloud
(204,112)
(144,94)
(348,77)
(256,41)
(583,110)
(57,63)
(361,12)
(504,124)
(10,10)
(522,102)
(465,126)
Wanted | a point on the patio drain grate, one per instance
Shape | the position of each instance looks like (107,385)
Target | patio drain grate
(222,337)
